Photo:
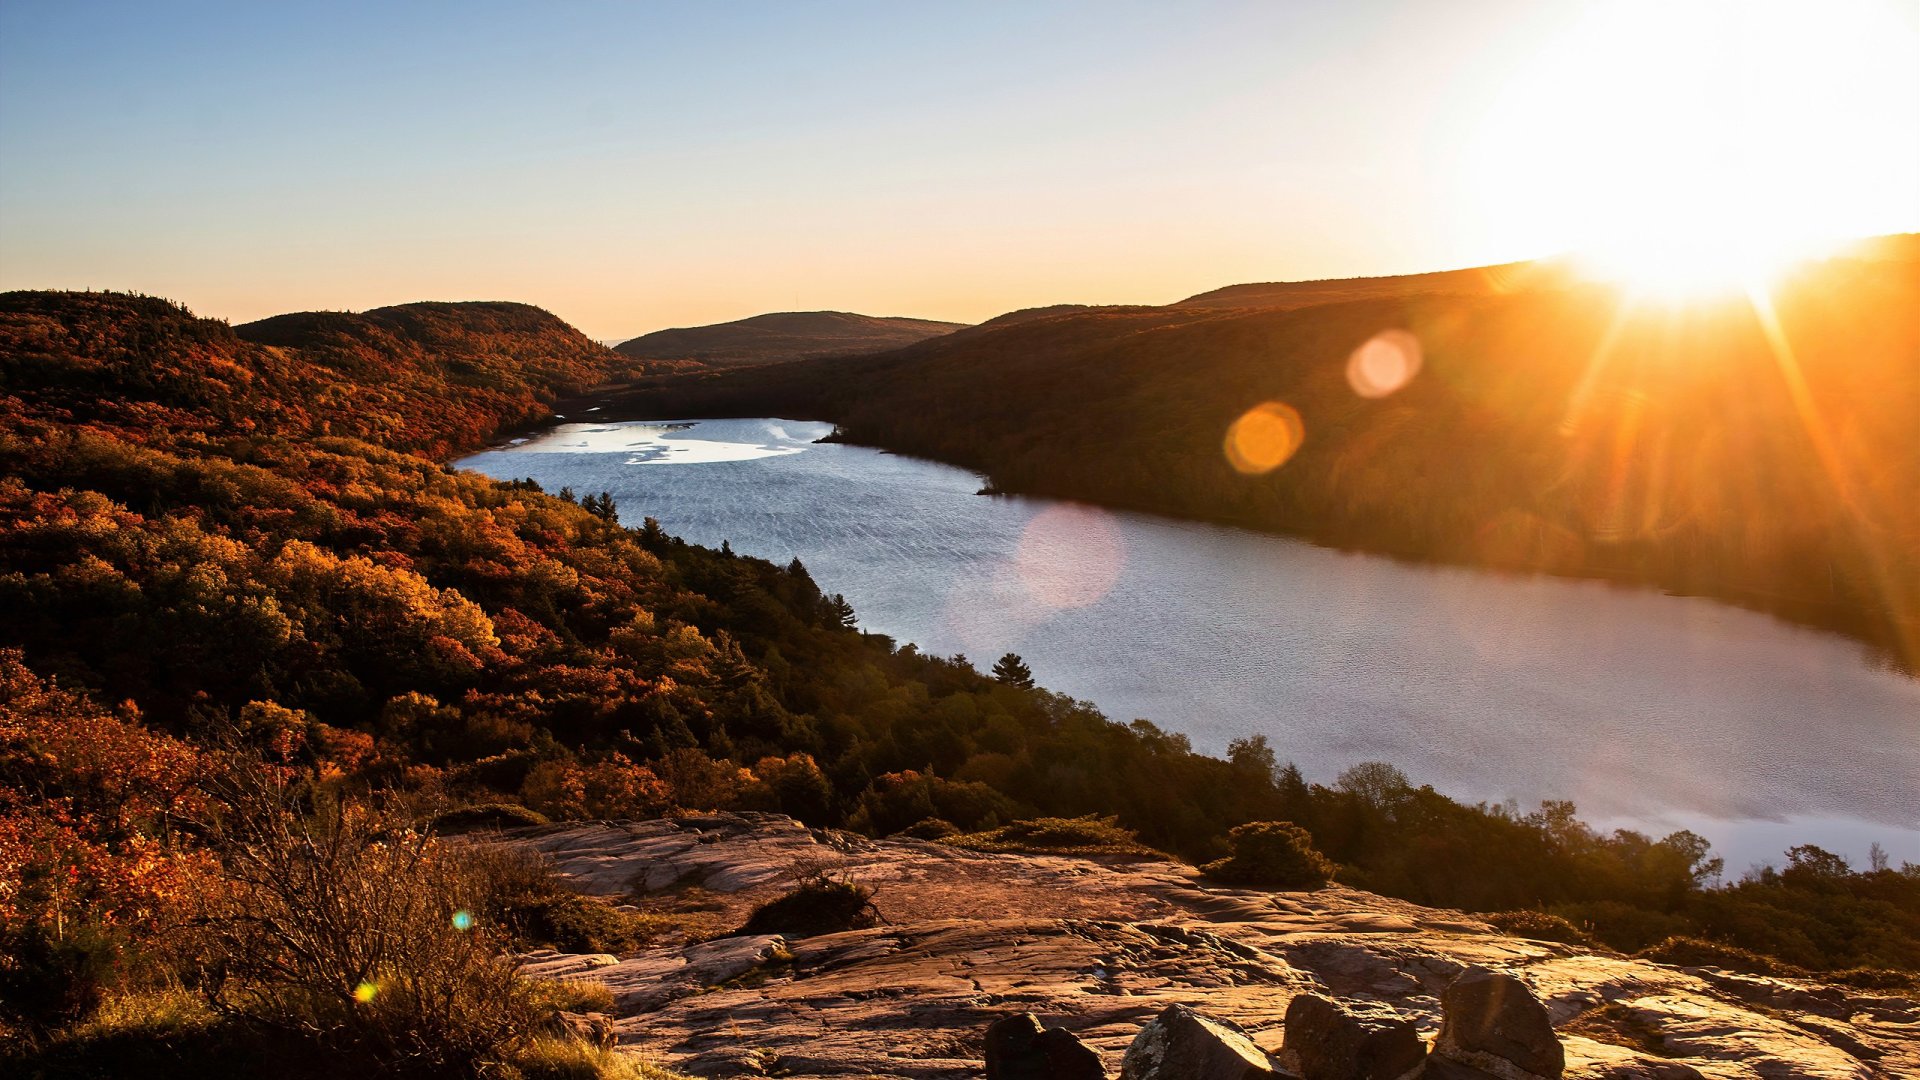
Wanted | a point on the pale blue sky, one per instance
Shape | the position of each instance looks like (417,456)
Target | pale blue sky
(632,166)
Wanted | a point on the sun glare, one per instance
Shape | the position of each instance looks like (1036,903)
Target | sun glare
(1693,264)
(1691,146)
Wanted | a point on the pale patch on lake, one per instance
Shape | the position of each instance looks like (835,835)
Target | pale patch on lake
(647,444)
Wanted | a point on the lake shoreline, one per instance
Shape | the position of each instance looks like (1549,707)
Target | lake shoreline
(1434,725)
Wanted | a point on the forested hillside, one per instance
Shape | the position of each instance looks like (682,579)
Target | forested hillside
(1762,454)
(221,545)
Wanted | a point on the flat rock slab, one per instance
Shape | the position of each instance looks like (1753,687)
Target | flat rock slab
(1101,947)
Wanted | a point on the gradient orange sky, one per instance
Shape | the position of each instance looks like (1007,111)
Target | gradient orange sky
(632,167)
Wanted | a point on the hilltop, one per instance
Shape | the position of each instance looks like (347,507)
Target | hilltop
(1472,281)
(1761,457)
(784,335)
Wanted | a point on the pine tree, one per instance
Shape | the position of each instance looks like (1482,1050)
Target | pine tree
(1013,671)
(841,612)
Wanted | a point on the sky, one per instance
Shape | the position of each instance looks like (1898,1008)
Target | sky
(633,166)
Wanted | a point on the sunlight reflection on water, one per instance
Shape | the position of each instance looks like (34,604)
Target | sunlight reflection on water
(651,444)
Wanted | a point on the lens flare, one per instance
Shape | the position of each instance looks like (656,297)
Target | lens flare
(988,615)
(1264,437)
(463,920)
(1070,556)
(364,992)
(1386,362)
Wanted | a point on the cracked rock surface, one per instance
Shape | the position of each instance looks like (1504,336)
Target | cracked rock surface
(1101,947)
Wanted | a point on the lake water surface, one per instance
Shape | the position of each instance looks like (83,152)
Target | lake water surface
(1649,711)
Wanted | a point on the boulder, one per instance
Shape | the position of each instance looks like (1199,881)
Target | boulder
(1181,1044)
(1332,1041)
(1019,1048)
(594,1028)
(1491,1021)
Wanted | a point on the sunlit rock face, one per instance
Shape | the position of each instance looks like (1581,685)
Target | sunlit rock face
(1101,948)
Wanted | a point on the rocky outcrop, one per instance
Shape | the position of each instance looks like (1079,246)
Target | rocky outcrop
(1019,1048)
(1181,1044)
(1103,948)
(1493,1022)
(1331,1040)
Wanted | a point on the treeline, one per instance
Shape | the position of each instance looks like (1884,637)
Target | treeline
(189,561)
(1760,454)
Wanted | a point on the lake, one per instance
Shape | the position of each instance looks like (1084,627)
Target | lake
(1649,711)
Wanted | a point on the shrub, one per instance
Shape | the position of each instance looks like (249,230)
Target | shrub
(1540,926)
(1272,855)
(1624,926)
(47,980)
(344,927)
(1698,952)
(494,815)
(932,828)
(1866,978)
(569,995)
(536,906)
(818,905)
(557,1057)
(1090,835)
(160,1033)
(576,923)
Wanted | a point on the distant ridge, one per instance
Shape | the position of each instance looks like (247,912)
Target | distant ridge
(1472,281)
(1690,463)
(784,335)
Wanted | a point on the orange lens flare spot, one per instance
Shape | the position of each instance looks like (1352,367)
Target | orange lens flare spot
(364,992)
(1386,362)
(1264,437)
(1070,556)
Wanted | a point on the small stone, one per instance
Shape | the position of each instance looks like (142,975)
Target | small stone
(1492,1021)
(1018,1048)
(1333,1041)
(1181,1044)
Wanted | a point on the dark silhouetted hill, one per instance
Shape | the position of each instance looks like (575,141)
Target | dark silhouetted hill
(784,335)
(1474,281)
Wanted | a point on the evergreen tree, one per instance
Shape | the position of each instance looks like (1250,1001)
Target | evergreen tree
(1013,671)
(841,612)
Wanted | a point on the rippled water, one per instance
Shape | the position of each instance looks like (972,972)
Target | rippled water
(1650,711)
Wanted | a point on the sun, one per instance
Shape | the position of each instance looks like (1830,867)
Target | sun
(1692,146)
(1684,262)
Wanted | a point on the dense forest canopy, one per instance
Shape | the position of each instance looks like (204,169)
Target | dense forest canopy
(245,540)
(1757,451)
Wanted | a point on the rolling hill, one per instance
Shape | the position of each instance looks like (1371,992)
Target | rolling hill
(1473,281)
(783,335)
